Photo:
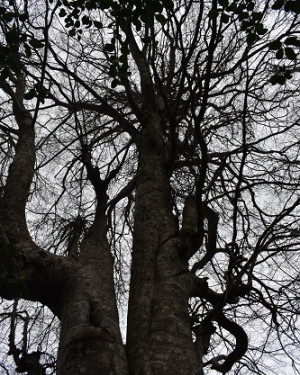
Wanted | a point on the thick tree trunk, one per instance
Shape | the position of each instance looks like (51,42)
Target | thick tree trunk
(159,336)
(90,340)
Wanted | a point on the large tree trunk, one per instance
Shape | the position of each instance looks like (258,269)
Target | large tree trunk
(90,340)
(159,329)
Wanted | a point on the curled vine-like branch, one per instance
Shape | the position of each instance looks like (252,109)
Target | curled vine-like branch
(221,363)
(241,345)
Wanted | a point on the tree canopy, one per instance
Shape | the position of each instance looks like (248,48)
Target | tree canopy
(149,187)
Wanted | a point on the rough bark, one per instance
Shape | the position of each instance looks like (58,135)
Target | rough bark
(90,338)
(159,331)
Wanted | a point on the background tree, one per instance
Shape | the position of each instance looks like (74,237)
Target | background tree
(149,154)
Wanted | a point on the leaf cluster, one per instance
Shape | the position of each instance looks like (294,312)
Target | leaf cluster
(287,5)
(14,38)
(244,11)
(284,49)
(79,14)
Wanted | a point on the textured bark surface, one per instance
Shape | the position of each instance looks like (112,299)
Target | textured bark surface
(159,334)
(90,338)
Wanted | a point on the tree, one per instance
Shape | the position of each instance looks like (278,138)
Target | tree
(152,141)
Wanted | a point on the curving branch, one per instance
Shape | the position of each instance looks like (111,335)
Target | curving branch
(20,174)
(218,300)
(241,344)
(37,273)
